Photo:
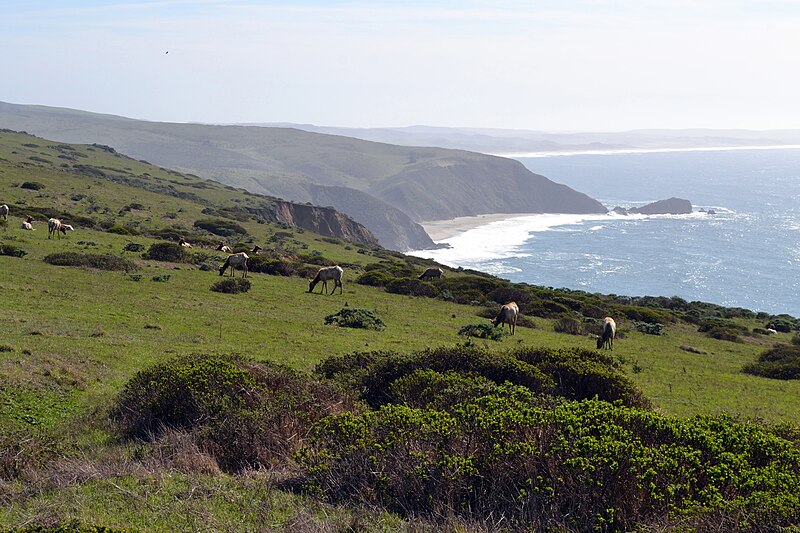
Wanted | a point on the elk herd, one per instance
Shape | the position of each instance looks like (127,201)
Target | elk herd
(507,316)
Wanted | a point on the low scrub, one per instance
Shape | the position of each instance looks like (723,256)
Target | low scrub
(781,362)
(221,227)
(11,250)
(574,466)
(231,285)
(98,261)
(354,317)
(167,251)
(412,287)
(244,413)
(482,331)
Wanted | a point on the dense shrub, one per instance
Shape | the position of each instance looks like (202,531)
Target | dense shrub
(167,251)
(648,328)
(646,314)
(567,325)
(123,230)
(428,389)
(412,287)
(32,185)
(231,285)
(245,413)
(220,226)
(374,278)
(98,261)
(11,250)
(133,247)
(482,331)
(781,362)
(353,317)
(371,375)
(577,466)
(584,374)
(274,267)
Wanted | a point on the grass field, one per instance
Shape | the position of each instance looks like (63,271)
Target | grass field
(70,338)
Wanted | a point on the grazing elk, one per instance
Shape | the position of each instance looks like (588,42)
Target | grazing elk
(184,244)
(432,273)
(609,332)
(508,315)
(4,211)
(326,274)
(233,261)
(56,227)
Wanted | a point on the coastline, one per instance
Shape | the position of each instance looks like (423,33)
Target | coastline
(440,230)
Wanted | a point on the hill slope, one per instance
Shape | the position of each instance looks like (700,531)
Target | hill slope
(402,185)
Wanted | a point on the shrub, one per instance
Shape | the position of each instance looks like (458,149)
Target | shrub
(11,250)
(133,247)
(567,325)
(353,317)
(781,362)
(782,323)
(123,230)
(648,328)
(273,267)
(371,375)
(374,278)
(98,261)
(482,331)
(575,466)
(32,185)
(231,285)
(167,251)
(244,413)
(220,226)
(428,389)
(412,287)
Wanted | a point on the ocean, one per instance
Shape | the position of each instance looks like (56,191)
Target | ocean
(746,255)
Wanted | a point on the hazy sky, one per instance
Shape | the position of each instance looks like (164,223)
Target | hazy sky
(560,65)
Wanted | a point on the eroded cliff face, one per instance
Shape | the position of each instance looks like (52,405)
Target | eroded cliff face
(323,220)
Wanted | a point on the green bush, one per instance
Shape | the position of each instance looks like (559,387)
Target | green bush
(781,362)
(648,328)
(167,251)
(244,413)
(220,226)
(782,323)
(32,185)
(412,287)
(11,250)
(372,375)
(428,389)
(567,325)
(123,230)
(133,247)
(274,267)
(374,278)
(574,466)
(98,261)
(353,317)
(231,285)
(482,331)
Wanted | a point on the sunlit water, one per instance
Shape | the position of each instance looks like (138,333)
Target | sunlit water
(745,255)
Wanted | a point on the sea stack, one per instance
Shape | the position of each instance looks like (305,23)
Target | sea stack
(671,206)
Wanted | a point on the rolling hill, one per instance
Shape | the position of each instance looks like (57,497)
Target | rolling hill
(387,188)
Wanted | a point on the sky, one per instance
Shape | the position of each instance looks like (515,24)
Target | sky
(560,65)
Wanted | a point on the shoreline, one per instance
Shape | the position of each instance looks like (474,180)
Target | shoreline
(440,230)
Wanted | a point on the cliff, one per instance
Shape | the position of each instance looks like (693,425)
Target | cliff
(323,220)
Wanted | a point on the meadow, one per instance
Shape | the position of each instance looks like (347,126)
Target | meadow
(72,337)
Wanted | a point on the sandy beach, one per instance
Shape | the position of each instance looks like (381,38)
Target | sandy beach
(444,229)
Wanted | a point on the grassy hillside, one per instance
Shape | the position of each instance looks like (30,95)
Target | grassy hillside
(72,337)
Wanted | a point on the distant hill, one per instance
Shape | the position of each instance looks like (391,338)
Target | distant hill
(85,173)
(505,141)
(387,188)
